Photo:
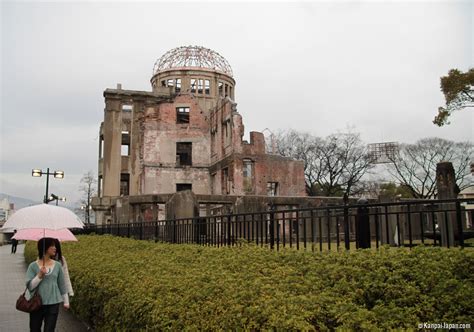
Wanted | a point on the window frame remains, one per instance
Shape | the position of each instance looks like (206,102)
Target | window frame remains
(192,85)
(124,184)
(125,144)
(177,87)
(182,114)
(184,154)
(272,188)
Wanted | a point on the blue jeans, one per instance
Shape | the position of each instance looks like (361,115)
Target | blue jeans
(48,313)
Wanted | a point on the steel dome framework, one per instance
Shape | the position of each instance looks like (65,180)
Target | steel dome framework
(192,57)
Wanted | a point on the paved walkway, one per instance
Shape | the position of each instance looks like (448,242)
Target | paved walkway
(12,283)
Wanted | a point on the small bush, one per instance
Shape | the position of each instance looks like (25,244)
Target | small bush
(123,284)
(31,251)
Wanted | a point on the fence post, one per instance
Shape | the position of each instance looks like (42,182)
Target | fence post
(272,227)
(362,224)
(346,227)
(410,236)
(228,230)
(174,231)
(459,224)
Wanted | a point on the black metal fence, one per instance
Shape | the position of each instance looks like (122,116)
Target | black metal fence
(429,222)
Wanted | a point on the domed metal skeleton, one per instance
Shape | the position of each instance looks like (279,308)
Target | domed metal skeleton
(192,56)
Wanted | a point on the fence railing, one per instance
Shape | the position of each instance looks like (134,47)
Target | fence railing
(429,222)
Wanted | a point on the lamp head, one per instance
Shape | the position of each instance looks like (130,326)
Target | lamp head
(36,172)
(59,174)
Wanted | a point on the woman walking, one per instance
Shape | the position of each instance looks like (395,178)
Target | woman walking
(45,276)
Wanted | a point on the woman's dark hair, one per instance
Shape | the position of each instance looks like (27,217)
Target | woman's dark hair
(44,244)
(59,255)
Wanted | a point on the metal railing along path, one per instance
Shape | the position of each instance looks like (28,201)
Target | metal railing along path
(409,223)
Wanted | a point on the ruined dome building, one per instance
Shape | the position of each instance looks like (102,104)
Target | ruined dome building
(184,134)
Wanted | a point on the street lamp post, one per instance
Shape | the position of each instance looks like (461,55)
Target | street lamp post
(56,174)
(56,198)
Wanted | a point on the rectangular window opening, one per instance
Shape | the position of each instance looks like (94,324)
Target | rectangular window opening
(184,186)
(184,154)
(272,188)
(125,150)
(124,184)
(200,85)
(247,174)
(247,169)
(178,85)
(182,114)
(170,82)
(101,147)
(207,87)
(127,108)
(193,85)
(225,181)
(221,87)
(125,147)
(100,185)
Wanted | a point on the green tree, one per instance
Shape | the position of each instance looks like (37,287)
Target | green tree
(458,91)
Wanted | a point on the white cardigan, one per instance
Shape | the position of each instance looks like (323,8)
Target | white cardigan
(67,280)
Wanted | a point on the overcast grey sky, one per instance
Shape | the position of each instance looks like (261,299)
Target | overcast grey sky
(317,67)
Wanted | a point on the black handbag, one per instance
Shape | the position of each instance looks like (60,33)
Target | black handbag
(31,305)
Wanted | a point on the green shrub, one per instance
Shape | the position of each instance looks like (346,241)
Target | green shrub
(123,284)
(31,251)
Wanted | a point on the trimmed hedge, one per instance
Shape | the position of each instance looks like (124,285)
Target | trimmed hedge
(123,284)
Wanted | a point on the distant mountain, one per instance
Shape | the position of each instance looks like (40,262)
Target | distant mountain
(18,201)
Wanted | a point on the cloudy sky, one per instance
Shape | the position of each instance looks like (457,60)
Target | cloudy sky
(318,67)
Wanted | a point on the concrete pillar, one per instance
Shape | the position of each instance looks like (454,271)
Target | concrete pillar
(112,132)
(183,204)
(447,189)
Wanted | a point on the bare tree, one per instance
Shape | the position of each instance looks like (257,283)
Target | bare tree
(415,164)
(332,166)
(88,188)
(344,162)
(299,146)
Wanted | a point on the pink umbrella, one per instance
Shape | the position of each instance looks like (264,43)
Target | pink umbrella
(35,234)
